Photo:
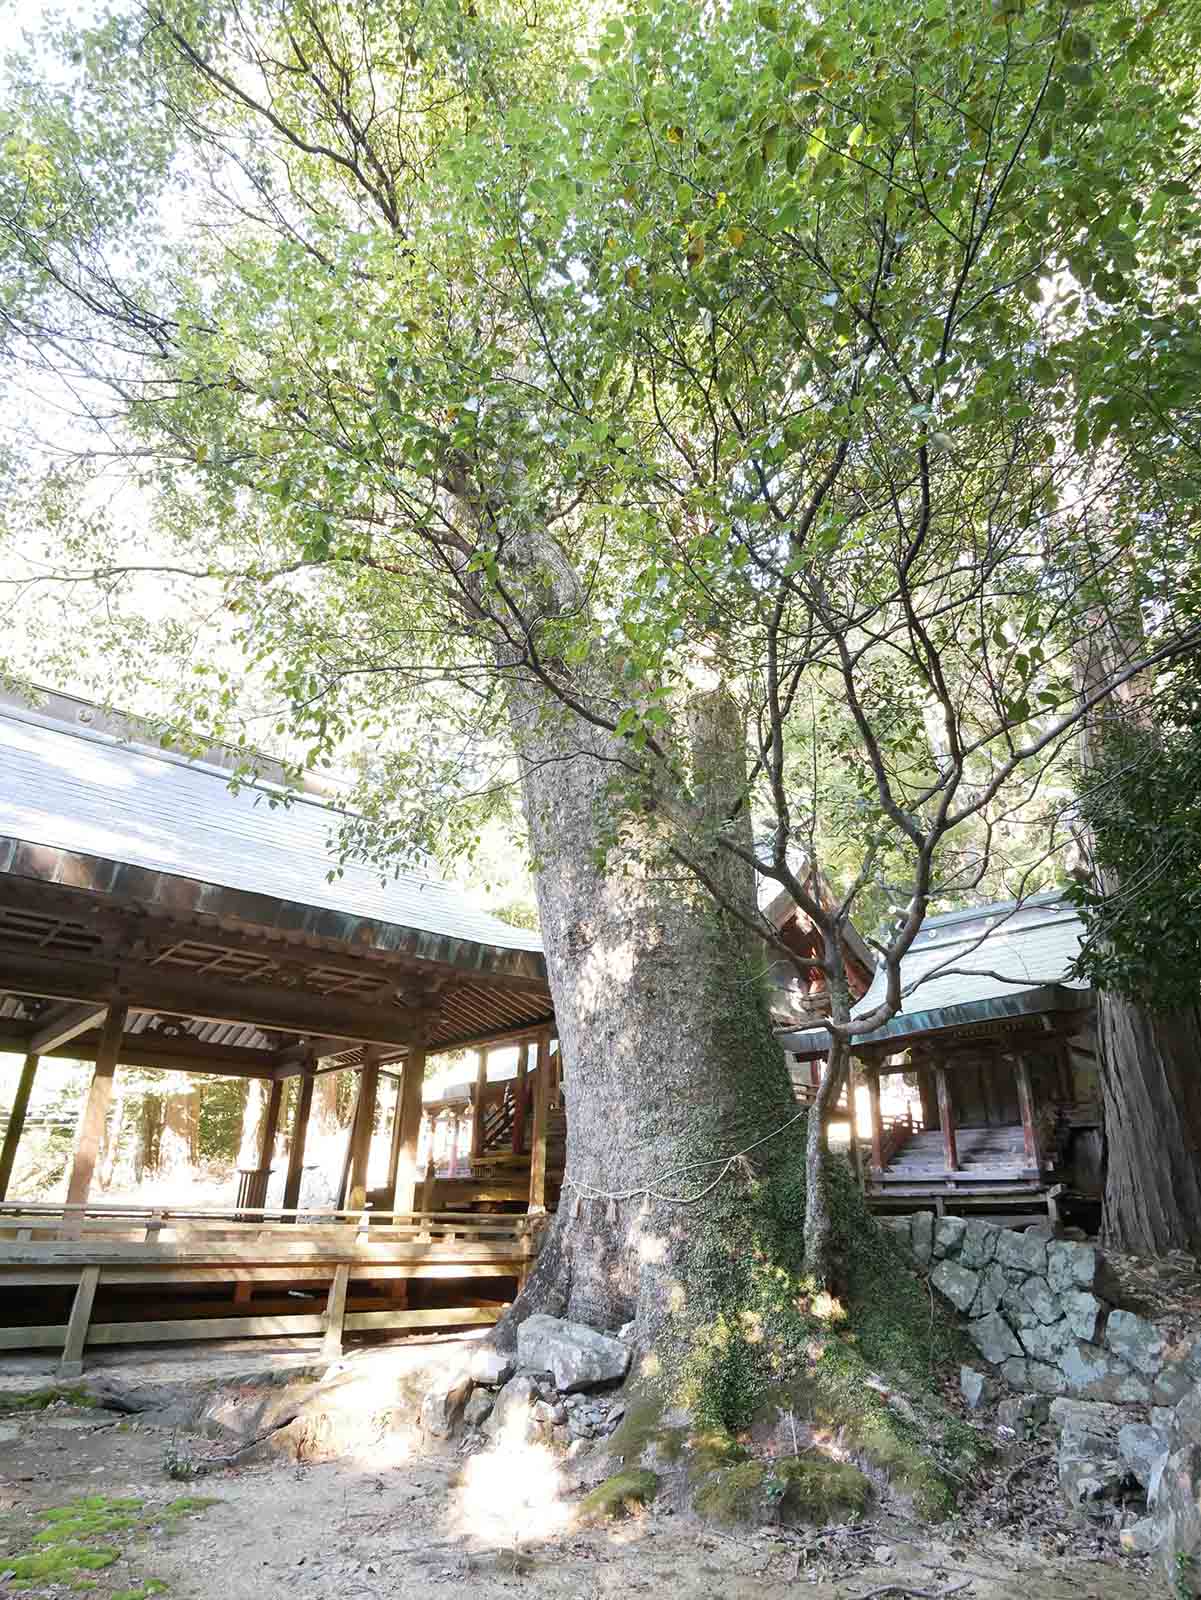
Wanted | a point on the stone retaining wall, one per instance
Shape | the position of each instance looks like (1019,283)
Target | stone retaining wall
(1042,1311)
(1128,1408)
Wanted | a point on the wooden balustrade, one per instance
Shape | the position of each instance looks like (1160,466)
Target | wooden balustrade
(192,1272)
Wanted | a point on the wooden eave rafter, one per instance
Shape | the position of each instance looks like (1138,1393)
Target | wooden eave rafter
(106,883)
(312,993)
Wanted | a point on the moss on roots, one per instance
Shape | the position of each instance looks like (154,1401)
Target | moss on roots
(752,1331)
(619,1495)
(815,1489)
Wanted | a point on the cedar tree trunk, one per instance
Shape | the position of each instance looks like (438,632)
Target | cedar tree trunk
(1151,1093)
(1150,1090)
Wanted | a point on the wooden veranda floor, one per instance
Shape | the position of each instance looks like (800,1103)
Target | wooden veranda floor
(73,1279)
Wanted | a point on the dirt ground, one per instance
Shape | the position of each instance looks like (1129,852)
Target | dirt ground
(396,1520)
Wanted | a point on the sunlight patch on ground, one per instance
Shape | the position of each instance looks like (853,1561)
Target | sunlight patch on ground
(511,1492)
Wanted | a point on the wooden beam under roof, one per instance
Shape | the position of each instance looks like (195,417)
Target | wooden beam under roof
(152,1050)
(149,988)
(62,1025)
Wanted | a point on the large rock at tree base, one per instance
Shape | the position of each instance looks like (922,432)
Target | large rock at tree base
(994,1338)
(443,1405)
(491,1367)
(1136,1341)
(513,1407)
(576,1356)
(958,1283)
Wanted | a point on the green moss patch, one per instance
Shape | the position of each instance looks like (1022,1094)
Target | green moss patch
(643,1426)
(187,1504)
(41,1399)
(732,1494)
(816,1489)
(58,1563)
(79,1538)
(619,1495)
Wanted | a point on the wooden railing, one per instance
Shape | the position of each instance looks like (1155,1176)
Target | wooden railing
(897,1131)
(301,1263)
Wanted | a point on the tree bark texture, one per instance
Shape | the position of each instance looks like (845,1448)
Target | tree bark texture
(670,1067)
(1151,1091)
(180,1129)
(1150,1087)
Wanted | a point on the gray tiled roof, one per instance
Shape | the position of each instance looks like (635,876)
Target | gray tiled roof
(1031,945)
(964,963)
(81,791)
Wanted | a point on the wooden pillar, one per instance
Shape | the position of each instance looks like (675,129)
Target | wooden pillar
(95,1111)
(519,1094)
(404,1196)
(394,1148)
(16,1123)
(1033,1151)
(542,1093)
(335,1310)
(1067,1077)
(946,1120)
(873,1095)
(477,1104)
(452,1158)
(71,1364)
(300,1129)
(361,1129)
(427,1186)
(854,1079)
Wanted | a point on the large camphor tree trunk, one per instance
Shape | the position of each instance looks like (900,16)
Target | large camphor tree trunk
(670,1066)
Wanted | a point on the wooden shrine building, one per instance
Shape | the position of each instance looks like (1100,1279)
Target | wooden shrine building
(995,1041)
(152,916)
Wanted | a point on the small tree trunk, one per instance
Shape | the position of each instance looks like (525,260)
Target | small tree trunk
(181,1122)
(1152,1105)
(149,1126)
(254,1115)
(111,1147)
(818,1223)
